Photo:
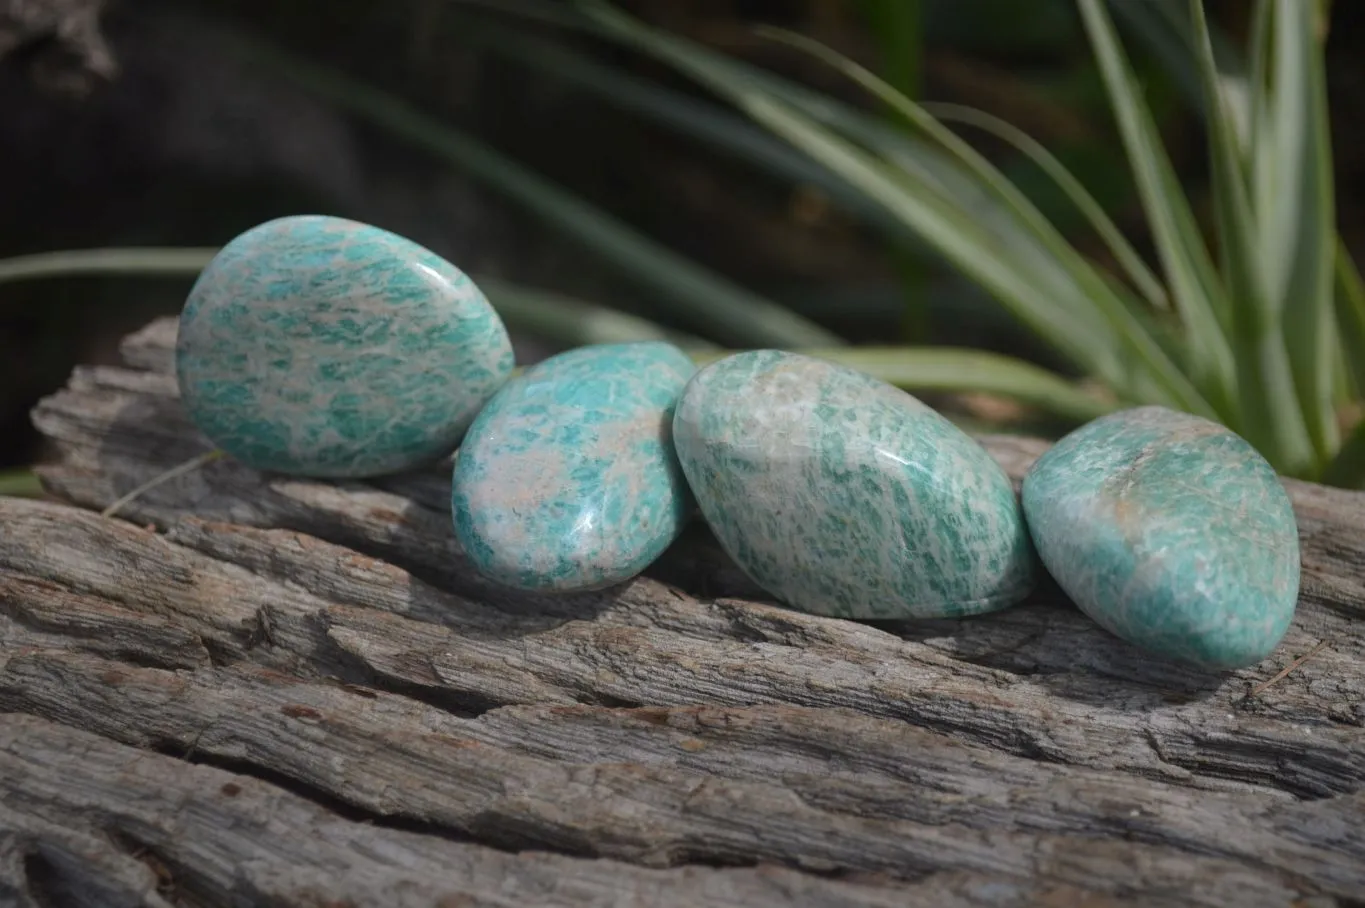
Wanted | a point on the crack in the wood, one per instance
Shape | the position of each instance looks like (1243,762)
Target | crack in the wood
(318,796)
(1276,781)
(25,618)
(42,880)
(166,871)
(868,877)
(461,704)
(220,655)
(353,670)
(609,701)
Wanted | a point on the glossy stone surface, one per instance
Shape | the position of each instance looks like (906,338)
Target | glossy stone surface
(567,480)
(1171,532)
(842,495)
(319,346)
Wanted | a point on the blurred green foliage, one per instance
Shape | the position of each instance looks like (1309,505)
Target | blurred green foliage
(1265,331)
(1253,340)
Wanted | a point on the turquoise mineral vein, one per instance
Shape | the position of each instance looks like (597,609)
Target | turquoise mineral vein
(844,496)
(1171,532)
(567,480)
(319,346)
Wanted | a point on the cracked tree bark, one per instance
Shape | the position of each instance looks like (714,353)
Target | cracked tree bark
(253,690)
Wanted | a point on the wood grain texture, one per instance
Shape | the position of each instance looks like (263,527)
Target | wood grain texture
(256,690)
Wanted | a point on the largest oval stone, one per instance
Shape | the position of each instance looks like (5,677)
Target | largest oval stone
(842,495)
(567,480)
(1171,532)
(319,346)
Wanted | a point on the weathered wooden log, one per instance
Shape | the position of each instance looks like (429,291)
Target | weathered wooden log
(256,690)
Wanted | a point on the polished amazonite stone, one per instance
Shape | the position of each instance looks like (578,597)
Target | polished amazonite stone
(323,347)
(567,480)
(842,495)
(1171,532)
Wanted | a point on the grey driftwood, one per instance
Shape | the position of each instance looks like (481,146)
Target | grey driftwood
(251,690)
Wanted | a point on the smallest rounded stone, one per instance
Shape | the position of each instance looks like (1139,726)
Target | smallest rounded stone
(319,346)
(567,481)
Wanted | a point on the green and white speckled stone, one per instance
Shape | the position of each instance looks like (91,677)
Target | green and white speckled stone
(1171,532)
(567,480)
(842,495)
(319,346)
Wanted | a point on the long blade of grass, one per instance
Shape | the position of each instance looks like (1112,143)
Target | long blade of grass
(826,109)
(1006,272)
(1257,141)
(905,148)
(1296,220)
(1350,304)
(148,261)
(1128,258)
(1165,27)
(973,251)
(573,322)
(688,116)
(1099,294)
(1322,19)
(936,170)
(20,484)
(898,28)
(739,83)
(703,299)
(1347,469)
(725,131)
(735,135)
(553,316)
(956,369)
(1199,296)
(1271,418)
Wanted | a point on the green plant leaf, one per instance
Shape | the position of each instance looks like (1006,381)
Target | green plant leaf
(915,191)
(1271,418)
(1128,258)
(688,116)
(898,27)
(1347,469)
(20,484)
(1094,293)
(702,121)
(1197,291)
(1295,218)
(1350,306)
(961,370)
(739,137)
(150,261)
(707,301)
(554,316)
(974,251)
(573,322)
(1090,292)
(1165,27)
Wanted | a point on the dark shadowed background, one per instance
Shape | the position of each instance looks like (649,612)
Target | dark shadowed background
(168,133)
